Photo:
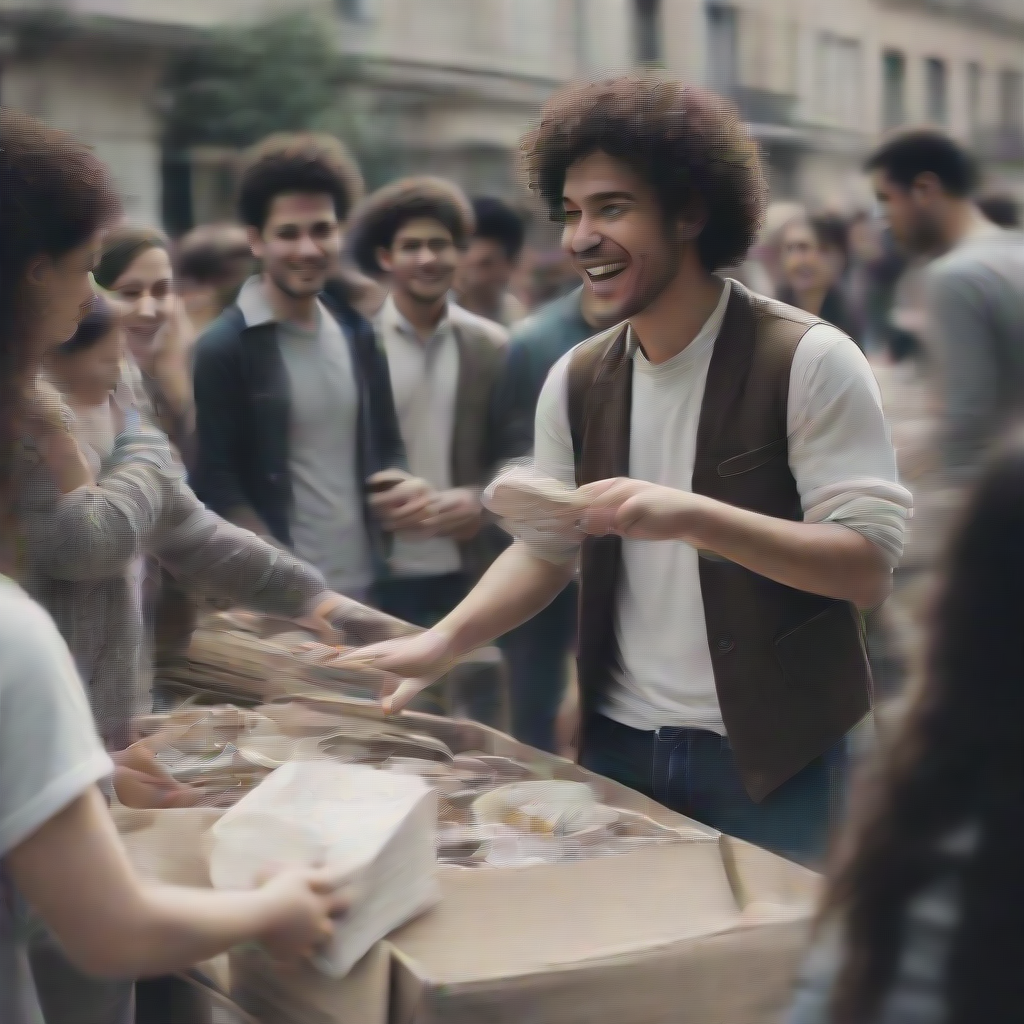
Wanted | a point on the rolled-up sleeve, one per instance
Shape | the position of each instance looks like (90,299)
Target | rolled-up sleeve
(552,459)
(840,448)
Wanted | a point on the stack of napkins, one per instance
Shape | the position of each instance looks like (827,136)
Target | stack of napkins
(530,504)
(374,830)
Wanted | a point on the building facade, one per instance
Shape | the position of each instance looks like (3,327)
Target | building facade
(448,86)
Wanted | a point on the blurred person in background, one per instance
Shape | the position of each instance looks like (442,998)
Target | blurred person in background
(444,362)
(923,919)
(765,254)
(809,274)
(295,414)
(973,287)
(738,502)
(135,267)
(538,651)
(486,268)
(1000,208)
(211,263)
(58,847)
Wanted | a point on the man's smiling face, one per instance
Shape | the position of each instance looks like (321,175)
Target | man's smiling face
(617,236)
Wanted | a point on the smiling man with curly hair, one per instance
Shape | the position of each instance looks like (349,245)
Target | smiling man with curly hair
(737,498)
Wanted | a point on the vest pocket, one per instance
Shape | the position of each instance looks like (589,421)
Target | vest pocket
(754,459)
(815,652)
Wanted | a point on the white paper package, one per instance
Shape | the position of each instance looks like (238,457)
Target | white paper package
(375,830)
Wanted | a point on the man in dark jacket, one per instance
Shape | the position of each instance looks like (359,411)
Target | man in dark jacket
(297,433)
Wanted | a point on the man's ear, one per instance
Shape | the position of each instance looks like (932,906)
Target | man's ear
(255,241)
(38,269)
(689,225)
(384,260)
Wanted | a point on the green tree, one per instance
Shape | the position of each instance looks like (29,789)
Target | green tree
(241,84)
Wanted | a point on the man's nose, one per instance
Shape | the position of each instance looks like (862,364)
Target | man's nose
(308,247)
(578,238)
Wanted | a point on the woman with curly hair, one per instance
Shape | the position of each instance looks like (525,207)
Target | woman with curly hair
(737,496)
(924,918)
(59,851)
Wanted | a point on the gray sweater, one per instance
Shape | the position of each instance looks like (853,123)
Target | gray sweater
(975,312)
(80,552)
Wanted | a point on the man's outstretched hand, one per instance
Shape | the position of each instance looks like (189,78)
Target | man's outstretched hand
(413,663)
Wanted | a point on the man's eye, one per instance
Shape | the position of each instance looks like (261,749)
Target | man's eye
(612,210)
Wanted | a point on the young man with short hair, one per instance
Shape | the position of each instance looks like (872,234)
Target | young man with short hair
(294,410)
(738,486)
(974,288)
(482,283)
(444,363)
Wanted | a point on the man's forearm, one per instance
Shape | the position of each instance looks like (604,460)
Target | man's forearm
(516,587)
(820,558)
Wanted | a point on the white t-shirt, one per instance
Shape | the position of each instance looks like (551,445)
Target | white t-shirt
(425,381)
(841,457)
(50,754)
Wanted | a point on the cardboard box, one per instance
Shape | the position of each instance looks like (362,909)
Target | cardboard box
(657,936)
(306,996)
(712,930)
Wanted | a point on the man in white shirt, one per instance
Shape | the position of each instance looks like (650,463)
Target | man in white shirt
(444,363)
(738,497)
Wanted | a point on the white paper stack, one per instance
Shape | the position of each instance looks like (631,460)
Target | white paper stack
(374,830)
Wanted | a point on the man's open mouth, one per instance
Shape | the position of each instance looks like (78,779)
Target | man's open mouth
(606,271)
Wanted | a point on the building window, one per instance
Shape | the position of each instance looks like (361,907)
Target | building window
(1011,100)
(838,80)
(974,79)
(723,42)
(936,87)
(894,89)
(648,31)
(354,10)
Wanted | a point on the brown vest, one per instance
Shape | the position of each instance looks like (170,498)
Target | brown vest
(790,668)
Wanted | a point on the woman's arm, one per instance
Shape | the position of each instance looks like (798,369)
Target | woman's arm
(97,529)
(75,872)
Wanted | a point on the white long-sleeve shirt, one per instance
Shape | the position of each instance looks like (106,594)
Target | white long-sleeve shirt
(841,457)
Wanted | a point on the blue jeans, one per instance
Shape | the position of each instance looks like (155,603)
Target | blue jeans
(537,653)
(693,772)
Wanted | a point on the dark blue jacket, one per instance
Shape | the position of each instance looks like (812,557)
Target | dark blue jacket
(243,417)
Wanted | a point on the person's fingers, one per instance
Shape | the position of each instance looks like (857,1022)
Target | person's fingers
(407,689)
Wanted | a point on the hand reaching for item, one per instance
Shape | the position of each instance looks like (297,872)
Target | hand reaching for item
(413,663)
(141,781)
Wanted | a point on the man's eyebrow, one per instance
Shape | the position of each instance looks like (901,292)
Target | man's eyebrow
(603,197)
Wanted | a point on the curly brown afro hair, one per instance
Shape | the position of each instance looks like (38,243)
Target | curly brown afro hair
(384,213)
(303,162)
(687,143)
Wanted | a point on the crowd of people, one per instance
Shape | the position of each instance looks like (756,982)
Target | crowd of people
(302,413)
